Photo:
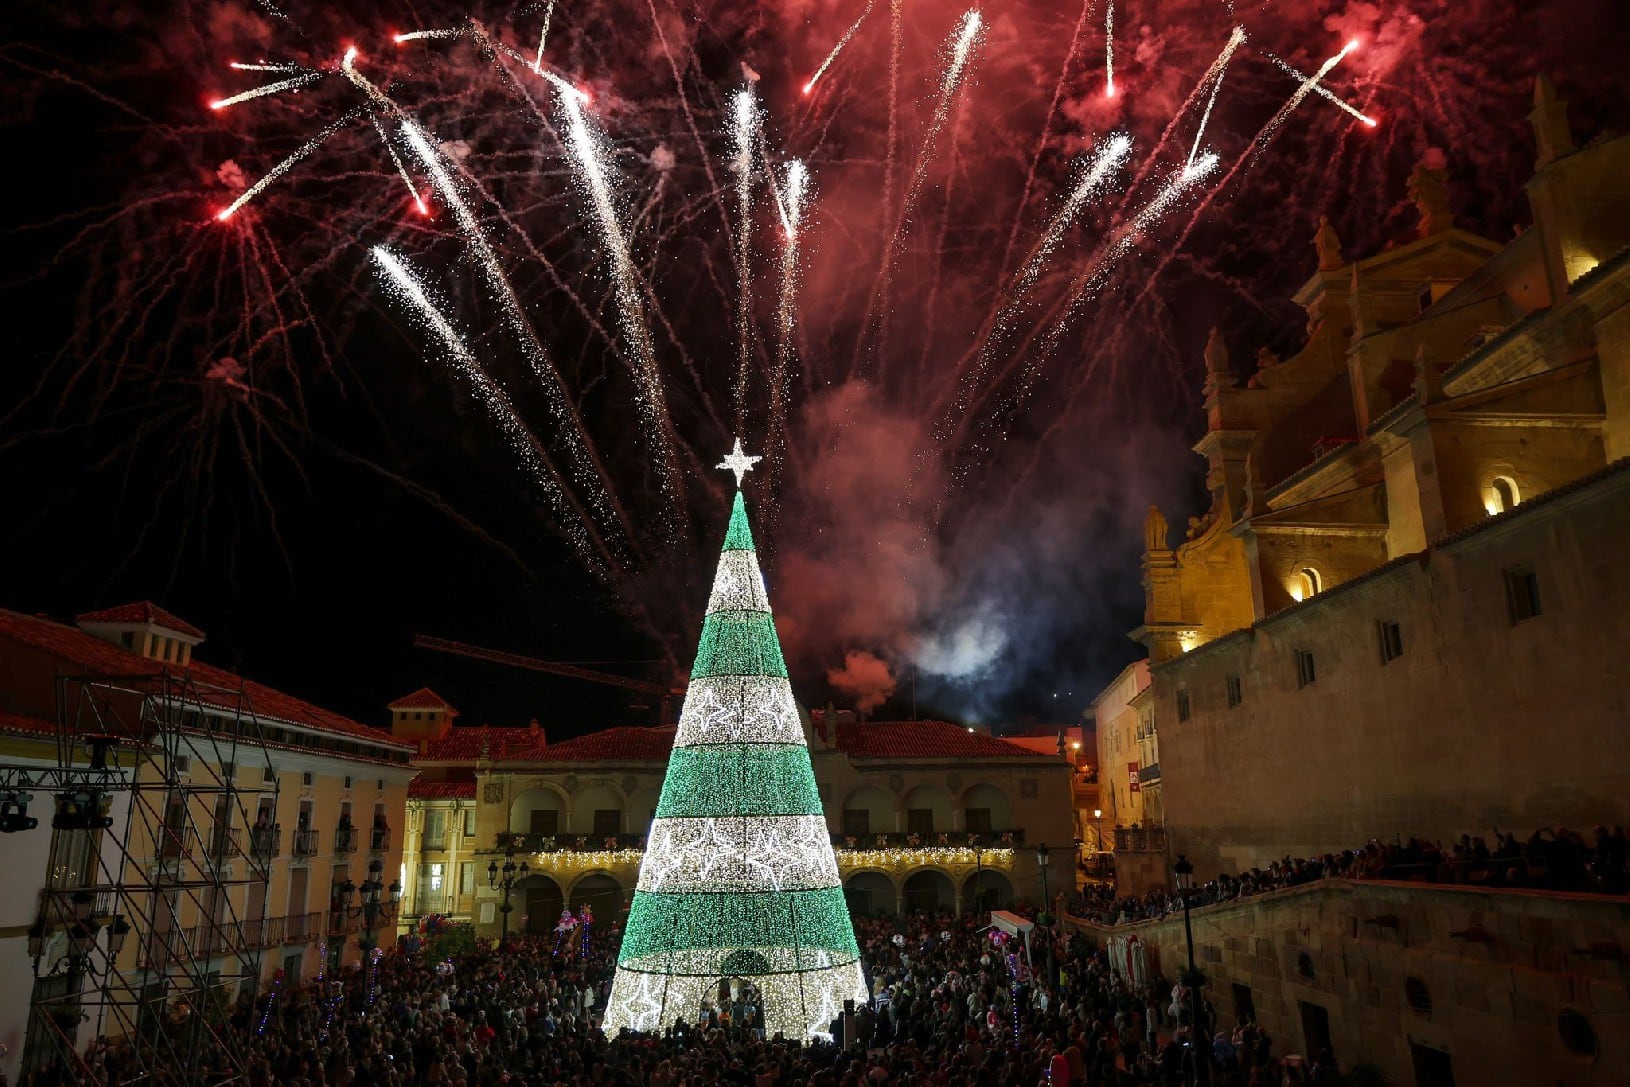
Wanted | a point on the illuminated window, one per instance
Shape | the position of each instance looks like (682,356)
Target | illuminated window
(435,877)
(1310,582)
(1503,493)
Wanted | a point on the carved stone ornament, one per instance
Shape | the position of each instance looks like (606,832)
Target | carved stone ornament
(492,792)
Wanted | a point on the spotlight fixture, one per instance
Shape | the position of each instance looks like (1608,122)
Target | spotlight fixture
(14,815)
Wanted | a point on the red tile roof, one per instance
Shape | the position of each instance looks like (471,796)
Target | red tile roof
(926,740)
(441,790)
(143,611)
(614,744)
(422,699)
(464,744)
(213,686)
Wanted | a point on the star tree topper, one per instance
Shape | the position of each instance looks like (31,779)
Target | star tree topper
(739,463)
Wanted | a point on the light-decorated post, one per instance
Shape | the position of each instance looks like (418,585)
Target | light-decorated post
(738,879)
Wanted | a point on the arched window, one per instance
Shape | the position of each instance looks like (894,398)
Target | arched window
(1503,495)
(1309,578)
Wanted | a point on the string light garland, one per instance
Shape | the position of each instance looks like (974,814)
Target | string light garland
(738,878)
(271,999)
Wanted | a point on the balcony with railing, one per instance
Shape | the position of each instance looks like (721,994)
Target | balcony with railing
(302,928)
(936,839)
(1140,839)
(223,843)
(568,843)
(345,840)
(64,906)
(266,842)
(379,840)
(305,843)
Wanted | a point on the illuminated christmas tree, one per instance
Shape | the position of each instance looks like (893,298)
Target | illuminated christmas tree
(738,880)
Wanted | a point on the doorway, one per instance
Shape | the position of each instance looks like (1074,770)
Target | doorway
(1316,1030)
(1432,1066)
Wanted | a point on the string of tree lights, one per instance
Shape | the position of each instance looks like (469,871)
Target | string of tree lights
(739,880)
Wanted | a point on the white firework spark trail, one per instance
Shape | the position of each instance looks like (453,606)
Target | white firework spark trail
(1109,49)
(270,88)
(743,129)
(967,37)
(590,472)
(498,404)
(401,168)
(285,166)
(543,36)
(1269,129)
(1043,139)
(961,48)
(1104,161)
(1107,158)
(1321,90)
(792,218)
(1083,288)
(1215,73)
(581,140)
(836,49)
(266,66)
(429,35)
(1089,282)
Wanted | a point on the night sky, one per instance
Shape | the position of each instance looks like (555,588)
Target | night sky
(238,421)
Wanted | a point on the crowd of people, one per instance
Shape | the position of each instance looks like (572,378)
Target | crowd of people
(1550,859)
(951,1006)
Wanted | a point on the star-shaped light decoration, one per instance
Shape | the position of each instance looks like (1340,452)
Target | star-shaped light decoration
(739,463)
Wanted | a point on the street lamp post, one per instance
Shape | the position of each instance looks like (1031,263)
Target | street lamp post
(1199,1033)
(371,907)
(504,879)
(1046,913)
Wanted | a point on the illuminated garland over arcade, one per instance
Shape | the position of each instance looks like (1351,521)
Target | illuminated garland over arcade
(739,878)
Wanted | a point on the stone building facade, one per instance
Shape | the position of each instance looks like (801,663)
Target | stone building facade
(1395,616)
(924,815)
(1432,985)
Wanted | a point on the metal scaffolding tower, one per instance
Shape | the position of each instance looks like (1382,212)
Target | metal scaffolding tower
(153,917)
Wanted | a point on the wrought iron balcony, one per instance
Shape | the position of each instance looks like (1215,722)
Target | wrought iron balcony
(302,928)
(266,842)
(935,839)
(305,843)
(64,906)
(1140,839)
(379,840)
(223,843)
(567,843)
(345,840)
